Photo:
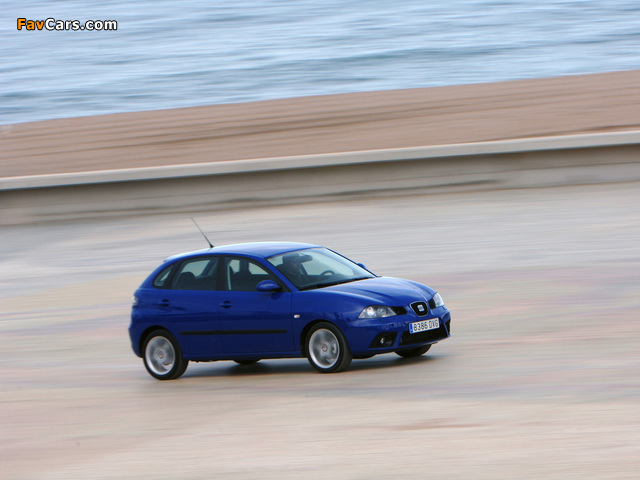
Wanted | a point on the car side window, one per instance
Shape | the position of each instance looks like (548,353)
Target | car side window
(161,279)
(243,275)
(196,274)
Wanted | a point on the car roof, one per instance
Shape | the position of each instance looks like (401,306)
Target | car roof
(255,249)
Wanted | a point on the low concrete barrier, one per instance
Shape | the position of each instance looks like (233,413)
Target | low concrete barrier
(524,163)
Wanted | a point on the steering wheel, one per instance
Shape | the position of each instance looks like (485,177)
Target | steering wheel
(327,273)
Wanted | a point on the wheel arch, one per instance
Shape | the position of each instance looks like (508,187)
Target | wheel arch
(145,334)
(305,332)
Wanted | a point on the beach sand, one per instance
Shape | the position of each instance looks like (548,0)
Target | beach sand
(325,124)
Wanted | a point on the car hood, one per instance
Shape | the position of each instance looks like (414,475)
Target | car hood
(384,291)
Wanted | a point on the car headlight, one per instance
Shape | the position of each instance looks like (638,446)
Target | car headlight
(437,300)
(377,311)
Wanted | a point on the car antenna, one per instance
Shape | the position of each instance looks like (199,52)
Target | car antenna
(203,234)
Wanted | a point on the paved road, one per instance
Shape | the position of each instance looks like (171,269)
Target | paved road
(540,380)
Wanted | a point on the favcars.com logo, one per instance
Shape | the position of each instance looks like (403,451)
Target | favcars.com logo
(52,24)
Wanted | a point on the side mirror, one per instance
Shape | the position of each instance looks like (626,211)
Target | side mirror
(268,286)
(361,265)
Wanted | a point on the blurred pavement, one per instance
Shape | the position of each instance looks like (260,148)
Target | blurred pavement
(541,378)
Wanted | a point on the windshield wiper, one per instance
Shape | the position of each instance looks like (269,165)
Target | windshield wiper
(330,284)
(356,279)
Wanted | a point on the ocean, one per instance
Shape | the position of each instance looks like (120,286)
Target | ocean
(168,54)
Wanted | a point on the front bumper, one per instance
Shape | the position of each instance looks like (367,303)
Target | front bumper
(382,335)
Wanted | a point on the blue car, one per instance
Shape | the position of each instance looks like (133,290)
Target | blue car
(278,300)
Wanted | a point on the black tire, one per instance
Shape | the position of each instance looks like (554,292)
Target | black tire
(247,361)
(413,352)
(327,349)
(162,356)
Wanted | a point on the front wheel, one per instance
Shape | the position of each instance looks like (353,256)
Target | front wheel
(327,349)
(413,352)
(163,357)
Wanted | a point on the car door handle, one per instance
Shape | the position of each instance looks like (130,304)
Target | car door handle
(226,304)
(164,303)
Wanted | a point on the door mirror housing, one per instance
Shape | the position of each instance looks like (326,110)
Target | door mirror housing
(268,286)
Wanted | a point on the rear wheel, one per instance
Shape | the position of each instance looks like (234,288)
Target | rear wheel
(413,352)
(163,357)
(327,349)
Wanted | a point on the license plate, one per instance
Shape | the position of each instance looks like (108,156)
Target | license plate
(425,325)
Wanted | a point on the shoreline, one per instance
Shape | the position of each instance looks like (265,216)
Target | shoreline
(606,102)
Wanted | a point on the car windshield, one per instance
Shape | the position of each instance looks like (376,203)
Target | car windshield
(317,267)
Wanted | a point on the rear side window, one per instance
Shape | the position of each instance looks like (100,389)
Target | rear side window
(161,279)
(196,274)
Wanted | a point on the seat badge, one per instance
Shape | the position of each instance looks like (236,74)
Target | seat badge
(420,308)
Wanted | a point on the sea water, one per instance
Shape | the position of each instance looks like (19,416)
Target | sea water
(167,54)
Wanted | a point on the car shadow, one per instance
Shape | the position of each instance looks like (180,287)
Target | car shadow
(294,366)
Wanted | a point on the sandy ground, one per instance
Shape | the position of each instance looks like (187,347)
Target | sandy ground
(541,378)
(327,124)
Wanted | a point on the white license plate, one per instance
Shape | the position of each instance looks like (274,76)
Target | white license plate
(425,325)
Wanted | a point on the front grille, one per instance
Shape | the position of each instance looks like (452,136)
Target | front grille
(420,308)
(423,337)
(399,310)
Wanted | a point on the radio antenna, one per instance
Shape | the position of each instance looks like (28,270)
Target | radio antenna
(203,234)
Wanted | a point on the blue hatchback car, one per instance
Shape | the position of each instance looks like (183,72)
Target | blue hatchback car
(278,300)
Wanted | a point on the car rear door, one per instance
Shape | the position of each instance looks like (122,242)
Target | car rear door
(188,306)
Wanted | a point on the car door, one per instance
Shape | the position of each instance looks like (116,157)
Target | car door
(252,322)
(188,305)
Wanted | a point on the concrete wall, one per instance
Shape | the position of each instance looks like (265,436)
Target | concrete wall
(529,163)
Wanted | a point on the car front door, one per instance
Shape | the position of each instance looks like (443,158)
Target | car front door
(252,322)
